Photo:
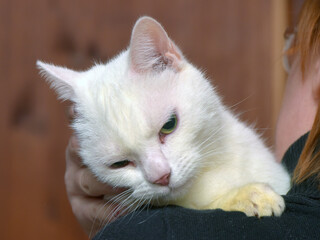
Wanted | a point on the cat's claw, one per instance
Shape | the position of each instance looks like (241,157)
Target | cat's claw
(256,199)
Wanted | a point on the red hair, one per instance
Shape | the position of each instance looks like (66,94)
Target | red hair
(309,161)
(307,41)
(307,46)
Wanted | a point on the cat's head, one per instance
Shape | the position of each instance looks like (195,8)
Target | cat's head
(144,119)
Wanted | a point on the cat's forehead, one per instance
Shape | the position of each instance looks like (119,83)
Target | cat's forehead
(149,102)
(129,114)
(157,95)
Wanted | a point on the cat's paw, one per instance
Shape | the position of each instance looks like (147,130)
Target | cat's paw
(256,199)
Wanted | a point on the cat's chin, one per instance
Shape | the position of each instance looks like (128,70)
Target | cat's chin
(179,191)
(162,195)
(169,195)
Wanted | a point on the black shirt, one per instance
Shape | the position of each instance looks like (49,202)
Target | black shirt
(300,220)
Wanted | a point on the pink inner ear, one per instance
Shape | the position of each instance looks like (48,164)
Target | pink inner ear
(151,47)
(174,56)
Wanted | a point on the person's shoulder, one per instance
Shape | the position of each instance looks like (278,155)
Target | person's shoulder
(141,224)
(174,222)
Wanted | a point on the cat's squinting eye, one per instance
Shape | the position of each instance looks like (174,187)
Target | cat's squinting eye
(170,125)
(120,164)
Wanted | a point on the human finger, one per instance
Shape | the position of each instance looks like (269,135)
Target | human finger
(72,154)
(71,113)
(73,166)
(92,187)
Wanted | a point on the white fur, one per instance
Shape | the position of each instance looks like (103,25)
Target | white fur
(122,105)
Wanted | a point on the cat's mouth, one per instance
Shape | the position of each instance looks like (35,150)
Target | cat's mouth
(169,195)
(173,191)
(161,194)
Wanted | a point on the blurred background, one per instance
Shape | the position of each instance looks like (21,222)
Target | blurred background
(237,43)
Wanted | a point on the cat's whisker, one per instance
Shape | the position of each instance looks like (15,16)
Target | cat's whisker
(96,219)
(107,214)
(113,207)
(111,210)
(110,215)
(211,137)
(119,210)
(121,195)
(233,107)
(211,148)
(136,204)
(143,203)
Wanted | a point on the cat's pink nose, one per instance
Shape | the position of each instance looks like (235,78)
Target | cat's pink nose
(164,180)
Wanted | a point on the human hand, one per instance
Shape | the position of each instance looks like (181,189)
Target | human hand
(86,193)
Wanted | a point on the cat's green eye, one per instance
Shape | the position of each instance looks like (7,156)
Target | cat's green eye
(120,164)
(170,125)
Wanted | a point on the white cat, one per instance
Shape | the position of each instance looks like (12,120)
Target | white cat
(150,121)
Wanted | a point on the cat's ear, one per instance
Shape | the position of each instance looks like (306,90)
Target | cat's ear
(61,79)
(151,48)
